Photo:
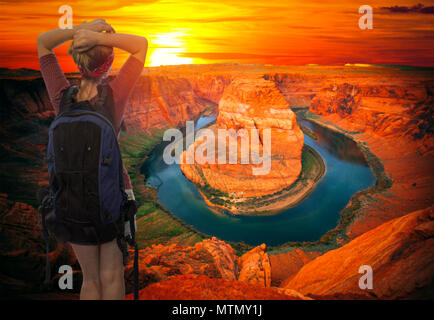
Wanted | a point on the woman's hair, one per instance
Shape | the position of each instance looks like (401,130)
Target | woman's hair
(92,58)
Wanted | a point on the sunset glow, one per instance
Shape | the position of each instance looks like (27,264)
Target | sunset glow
(170,45)
(275,32)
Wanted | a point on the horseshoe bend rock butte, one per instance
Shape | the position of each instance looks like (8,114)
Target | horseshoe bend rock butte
(250,103)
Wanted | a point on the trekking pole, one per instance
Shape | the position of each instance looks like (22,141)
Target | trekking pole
(132,212)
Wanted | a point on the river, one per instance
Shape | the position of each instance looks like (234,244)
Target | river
(347,172)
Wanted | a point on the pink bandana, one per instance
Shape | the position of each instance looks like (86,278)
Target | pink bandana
(101,70)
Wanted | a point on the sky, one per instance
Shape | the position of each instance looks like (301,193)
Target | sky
(256,31)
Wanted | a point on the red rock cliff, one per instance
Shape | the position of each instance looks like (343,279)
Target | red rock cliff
(400,253)
(392,115)
(392,109)
(161,101)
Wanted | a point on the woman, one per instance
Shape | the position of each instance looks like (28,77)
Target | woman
(92,51)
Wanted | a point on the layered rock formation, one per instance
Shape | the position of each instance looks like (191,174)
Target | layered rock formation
(400,253)
(391,109)
(298,88)
(255,267)
(159,102)
(252,103)
(213,258)
(223,255)
(392,116)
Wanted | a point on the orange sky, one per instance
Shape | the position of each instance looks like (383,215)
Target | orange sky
(270,32)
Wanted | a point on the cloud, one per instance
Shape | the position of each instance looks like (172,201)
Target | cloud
(418,8)
(235,55)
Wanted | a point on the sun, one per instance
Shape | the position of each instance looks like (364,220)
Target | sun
(165,49)
(167,56)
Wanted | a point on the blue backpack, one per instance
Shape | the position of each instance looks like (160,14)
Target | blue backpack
(86,202)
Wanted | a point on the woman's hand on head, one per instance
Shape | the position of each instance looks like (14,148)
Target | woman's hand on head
(97,25)
(84,40)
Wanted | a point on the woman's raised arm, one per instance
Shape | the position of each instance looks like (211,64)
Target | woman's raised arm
(136,45)
(49,40)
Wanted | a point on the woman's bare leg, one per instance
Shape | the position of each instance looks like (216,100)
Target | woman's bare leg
(88,258)
(111,270)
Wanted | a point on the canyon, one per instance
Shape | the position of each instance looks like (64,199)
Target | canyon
(387,111)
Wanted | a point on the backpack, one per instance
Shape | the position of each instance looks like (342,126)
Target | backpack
(86,190)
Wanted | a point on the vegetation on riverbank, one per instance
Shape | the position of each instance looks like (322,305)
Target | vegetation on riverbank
(309,132)
(155,224)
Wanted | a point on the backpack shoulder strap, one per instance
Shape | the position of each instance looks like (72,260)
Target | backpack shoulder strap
(69,98)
